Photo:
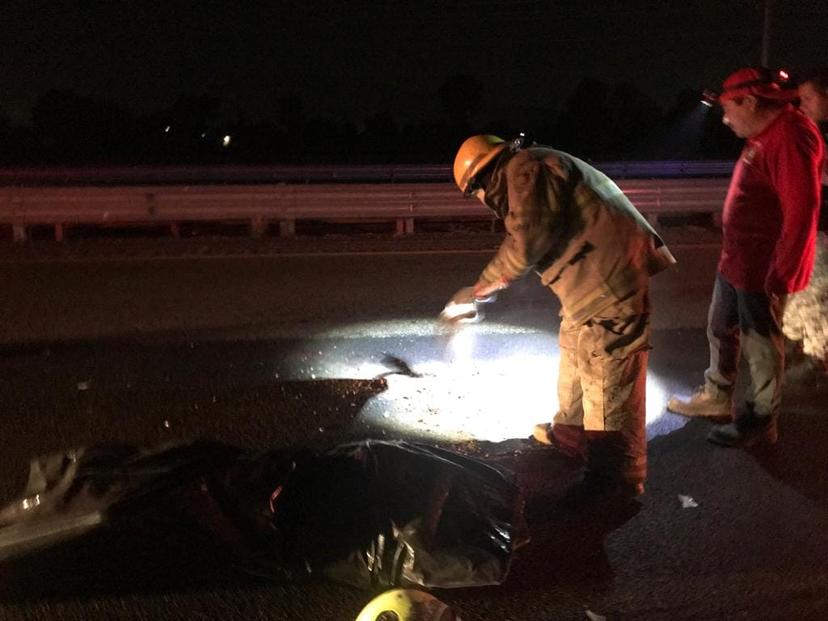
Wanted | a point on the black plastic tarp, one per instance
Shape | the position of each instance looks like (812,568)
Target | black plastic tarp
(370,513)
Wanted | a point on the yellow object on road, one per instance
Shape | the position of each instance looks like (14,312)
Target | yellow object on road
(406,605)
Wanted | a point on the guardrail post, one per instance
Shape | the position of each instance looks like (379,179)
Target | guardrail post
(19,232)
(287,227)
(258,227)
(151,205)
(652,219)
(404,226)
(175,229)
(59,232)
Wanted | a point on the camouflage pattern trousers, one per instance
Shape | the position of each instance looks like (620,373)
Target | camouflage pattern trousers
(601,393)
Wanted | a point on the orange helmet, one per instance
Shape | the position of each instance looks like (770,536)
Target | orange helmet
(473,156)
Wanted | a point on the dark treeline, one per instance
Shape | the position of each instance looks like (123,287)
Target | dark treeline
(598,121)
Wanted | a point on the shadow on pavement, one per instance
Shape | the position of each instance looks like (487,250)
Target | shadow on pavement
(145,394)
(798,458)
(567,552)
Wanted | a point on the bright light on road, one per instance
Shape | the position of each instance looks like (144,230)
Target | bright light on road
(488,381)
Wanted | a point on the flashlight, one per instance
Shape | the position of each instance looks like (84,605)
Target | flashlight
(709,98)
(464,306)
(461,312)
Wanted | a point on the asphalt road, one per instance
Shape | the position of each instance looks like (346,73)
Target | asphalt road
(266,347)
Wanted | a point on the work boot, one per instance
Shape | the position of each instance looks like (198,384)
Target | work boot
(599,484)
(596,489)
(701,404)
(568,439)
(746,430)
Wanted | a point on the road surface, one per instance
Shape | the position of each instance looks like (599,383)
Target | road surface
(269,347)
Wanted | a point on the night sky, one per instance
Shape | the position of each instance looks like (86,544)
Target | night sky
(354,58)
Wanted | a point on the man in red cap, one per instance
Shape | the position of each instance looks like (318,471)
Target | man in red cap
(769,224)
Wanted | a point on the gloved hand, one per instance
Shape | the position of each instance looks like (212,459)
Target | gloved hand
(464,306)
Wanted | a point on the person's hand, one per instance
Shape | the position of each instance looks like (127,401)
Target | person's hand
(487,291)
(462,307)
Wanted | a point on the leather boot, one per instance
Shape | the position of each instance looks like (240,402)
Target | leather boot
(613,467)
(701,404)
(568,439)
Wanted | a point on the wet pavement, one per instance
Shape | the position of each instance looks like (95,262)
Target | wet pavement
(268,352)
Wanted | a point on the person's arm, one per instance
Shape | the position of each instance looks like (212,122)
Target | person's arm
(530,224)
(795,173)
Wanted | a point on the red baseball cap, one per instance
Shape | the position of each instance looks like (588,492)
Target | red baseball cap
(757,81)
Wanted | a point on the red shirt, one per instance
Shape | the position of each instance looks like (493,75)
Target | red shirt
(769,219)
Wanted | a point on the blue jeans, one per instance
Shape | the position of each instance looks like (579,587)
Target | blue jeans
(746,324)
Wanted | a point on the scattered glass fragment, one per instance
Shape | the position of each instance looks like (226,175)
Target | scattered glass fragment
(687,502)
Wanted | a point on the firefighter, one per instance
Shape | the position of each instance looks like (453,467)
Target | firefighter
(572,225)
(769,223)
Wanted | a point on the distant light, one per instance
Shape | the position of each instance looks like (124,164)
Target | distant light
(704,102)
(167,129)
(783,75)
(225,142)
(203,134)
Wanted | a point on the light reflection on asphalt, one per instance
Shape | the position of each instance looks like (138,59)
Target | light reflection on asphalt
(488,381)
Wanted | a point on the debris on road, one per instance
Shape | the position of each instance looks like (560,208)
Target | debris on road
(687,502)
(397,366)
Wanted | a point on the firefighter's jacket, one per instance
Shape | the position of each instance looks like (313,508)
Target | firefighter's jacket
(573,226)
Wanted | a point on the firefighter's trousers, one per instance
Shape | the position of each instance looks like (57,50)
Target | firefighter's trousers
(601,390)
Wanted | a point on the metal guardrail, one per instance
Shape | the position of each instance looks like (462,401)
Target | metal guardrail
(22,207)
(183,175)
